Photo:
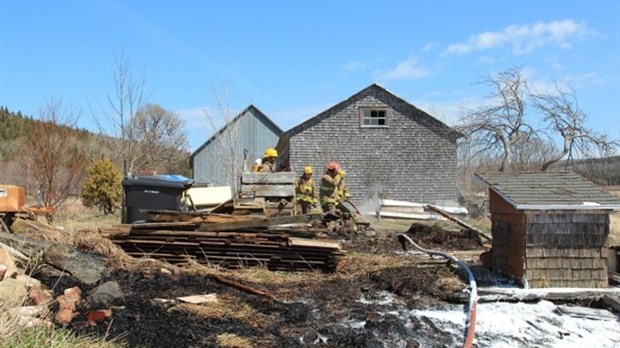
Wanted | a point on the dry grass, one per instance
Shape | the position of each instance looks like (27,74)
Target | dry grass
(228,340)
(229,306)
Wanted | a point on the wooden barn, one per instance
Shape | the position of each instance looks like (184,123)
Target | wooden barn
(388,147)
(219,161)
(550,229)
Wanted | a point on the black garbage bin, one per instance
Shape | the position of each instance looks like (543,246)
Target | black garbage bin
(157,192)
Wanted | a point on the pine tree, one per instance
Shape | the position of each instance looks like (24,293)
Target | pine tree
(103,186)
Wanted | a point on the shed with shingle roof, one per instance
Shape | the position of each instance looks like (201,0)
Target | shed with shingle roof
(550,229)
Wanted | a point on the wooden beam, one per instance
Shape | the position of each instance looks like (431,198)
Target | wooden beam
(269,178)
(314,243)
(258,223)
(457,221)
(550,294)
(269,190)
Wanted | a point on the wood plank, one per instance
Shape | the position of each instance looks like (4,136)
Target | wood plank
(314,243)
(258,223)
(584,312)
(196,217)
(269,178)
(169,225)
(269,190)
(457,221)
(550,294)
(613,302)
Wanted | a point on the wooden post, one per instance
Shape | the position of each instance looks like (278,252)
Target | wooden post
(457,221)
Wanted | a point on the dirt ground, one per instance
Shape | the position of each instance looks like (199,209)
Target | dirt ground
(357,306)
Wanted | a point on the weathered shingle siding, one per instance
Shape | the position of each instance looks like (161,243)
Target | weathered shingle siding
(251,132)
(412,159)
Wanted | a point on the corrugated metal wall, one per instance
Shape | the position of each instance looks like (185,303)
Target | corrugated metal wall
(220,161)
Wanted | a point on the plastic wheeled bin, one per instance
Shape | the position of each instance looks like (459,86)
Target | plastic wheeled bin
(157,192)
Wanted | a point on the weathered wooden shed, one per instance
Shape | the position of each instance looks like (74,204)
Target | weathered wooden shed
(550,229)
(389,148)
(219,160)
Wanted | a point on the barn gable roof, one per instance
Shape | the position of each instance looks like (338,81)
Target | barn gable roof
(374,89)
(250,109)
(549,190)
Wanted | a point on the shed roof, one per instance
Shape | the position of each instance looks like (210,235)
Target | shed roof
(549,190)
(245,111)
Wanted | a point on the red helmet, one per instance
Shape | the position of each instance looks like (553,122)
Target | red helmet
(333,166)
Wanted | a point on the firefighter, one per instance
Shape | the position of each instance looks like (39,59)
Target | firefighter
(343,191)
(304,191)
(269,161)
(257,164)
(328,192)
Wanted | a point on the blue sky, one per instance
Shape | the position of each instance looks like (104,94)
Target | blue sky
(294,59)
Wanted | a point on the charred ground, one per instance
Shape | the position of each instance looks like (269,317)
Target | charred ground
(349,308)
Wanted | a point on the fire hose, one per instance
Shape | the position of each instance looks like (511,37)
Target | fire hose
(470,321)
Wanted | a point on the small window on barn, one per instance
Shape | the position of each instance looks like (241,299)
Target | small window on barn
(373,117)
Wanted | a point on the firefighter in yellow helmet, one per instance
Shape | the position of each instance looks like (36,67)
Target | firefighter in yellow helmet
(304,191)
(269,161)
(343,191)
(328,192)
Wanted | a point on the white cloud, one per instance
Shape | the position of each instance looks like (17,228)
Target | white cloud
(408,69)
(354,66)
(430,47)
(526,38)
(449,112)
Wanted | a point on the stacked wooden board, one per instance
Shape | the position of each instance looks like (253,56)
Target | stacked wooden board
(231,242)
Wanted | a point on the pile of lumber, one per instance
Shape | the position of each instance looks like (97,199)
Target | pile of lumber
(229,241)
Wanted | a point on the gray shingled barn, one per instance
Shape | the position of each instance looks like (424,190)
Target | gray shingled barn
(389,148)
(219,161)
(550,229)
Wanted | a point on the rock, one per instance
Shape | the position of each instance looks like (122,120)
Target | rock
(29,282)
(106,295)
(32,311)
(99,315)
(39,296)
(7,260)
(87,268)
(12,292)
(199,299)
(67,304)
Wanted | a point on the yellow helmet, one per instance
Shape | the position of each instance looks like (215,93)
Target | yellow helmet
(271,152)
(307,170)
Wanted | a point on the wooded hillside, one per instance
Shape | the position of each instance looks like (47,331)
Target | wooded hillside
(24,141)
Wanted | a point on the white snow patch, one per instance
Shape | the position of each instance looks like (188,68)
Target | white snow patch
(383,298)
(527,325)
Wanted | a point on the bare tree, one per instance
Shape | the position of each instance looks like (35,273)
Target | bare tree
(56,159)
(496,129)
(123,104)
(227,136)
(159,138)
(563,116)
(499,130)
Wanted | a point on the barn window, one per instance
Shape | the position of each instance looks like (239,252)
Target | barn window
(373,117)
